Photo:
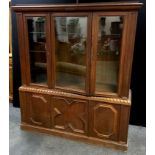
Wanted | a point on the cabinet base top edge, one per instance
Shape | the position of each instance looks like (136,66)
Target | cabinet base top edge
(115,100)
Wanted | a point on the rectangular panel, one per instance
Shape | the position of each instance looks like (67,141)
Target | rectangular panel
(70,52)
(36,29)
(109,39)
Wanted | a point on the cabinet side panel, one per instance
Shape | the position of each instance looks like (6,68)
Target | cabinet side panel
(10,80)
(21,47)
(125,114)
(127,54)
(23,107)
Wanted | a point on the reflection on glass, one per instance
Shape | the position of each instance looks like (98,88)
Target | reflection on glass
(37,50)
(71,36)
(108,51)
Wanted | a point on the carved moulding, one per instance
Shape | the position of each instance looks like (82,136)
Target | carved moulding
(71,95)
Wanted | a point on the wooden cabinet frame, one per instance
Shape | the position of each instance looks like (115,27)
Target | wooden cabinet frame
(112,109)
(92,25)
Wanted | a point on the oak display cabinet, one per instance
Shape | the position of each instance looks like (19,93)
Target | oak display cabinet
(76,62)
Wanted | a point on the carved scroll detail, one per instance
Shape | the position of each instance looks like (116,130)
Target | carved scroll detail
(40,97)
(35,122)
(69,122)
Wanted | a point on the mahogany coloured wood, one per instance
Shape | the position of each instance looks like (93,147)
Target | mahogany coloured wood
(70,115)
(90,116)
(10,81)
(112,6)
(90,120)
(104,120)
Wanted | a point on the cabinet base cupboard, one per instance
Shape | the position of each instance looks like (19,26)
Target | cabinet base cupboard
(76,62)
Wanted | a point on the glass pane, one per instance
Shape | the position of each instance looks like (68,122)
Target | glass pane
(37,49)
(108,53)
(70,52)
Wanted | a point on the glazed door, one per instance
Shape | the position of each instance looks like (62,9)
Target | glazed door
(71,38)
(36,28)
(108,47)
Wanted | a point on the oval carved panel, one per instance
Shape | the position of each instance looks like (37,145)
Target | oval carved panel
(105,120)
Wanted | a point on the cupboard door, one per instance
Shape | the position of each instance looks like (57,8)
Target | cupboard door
(70,114)
(70,45)
(104,120)
(37,35)
(108,31)
(39,109)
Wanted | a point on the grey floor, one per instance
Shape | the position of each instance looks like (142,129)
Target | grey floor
(27,143)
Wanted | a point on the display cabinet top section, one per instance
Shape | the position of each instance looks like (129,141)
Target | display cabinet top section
(109,6)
